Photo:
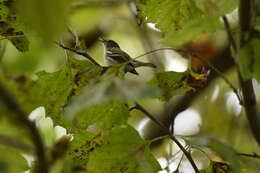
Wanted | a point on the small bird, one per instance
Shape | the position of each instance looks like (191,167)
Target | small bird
(114,55)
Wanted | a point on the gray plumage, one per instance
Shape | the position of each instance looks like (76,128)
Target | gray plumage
(114,55)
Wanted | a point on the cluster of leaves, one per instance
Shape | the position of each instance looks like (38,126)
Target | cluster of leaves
(91,102)
(183,20)
(11,26)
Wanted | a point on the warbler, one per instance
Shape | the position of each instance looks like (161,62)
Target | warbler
(114,55)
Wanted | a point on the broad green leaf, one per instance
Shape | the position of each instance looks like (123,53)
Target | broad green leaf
(105,116)
(169,15)
(50,90)
(180,20)
(111,89)
(217,7)
(11,27)
(171,83)
(192,29)
(46,17)
(224,150)
(125,152)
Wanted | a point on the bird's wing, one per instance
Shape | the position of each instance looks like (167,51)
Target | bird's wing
(119,55)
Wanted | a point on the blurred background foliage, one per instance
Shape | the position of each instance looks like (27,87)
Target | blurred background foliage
(212,111)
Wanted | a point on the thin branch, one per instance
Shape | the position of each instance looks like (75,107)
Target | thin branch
(22,119)
(79,52)
(254,155)
(229,33)
(245,29)
(205,61)
(155,120)
(158,138)
(15,143)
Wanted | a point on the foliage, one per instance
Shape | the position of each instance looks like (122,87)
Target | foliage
(183,20)
(94,102)
(11,26)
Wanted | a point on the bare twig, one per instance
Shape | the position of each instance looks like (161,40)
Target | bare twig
(79,52)
(229,33)
(155,120)
(22,119)
(253,155)
(158,138)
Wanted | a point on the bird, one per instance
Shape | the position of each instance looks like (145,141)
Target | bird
(114,55)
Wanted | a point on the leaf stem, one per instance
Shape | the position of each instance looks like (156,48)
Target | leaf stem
(22,119)
(155,120)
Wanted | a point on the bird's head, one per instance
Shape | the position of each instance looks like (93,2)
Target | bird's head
(109,44)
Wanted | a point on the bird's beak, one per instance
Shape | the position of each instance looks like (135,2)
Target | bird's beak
(101,39)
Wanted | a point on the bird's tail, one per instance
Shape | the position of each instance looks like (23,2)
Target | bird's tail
(140,63)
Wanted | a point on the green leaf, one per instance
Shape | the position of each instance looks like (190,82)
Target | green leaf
(192,29)
(82,144)
(46,17)
(169,15)
(217,7)
(50,90)
(105,116)
(11,27)
(224,150)
(111,89)
(182,20)
(171,83)
(125,152)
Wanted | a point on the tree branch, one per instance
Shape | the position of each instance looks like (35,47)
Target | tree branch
(254,155)
(22,119)
(166,130)
(251,109)
(79,52)
(229,33)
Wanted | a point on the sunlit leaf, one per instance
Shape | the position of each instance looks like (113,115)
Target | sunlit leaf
(180,20)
